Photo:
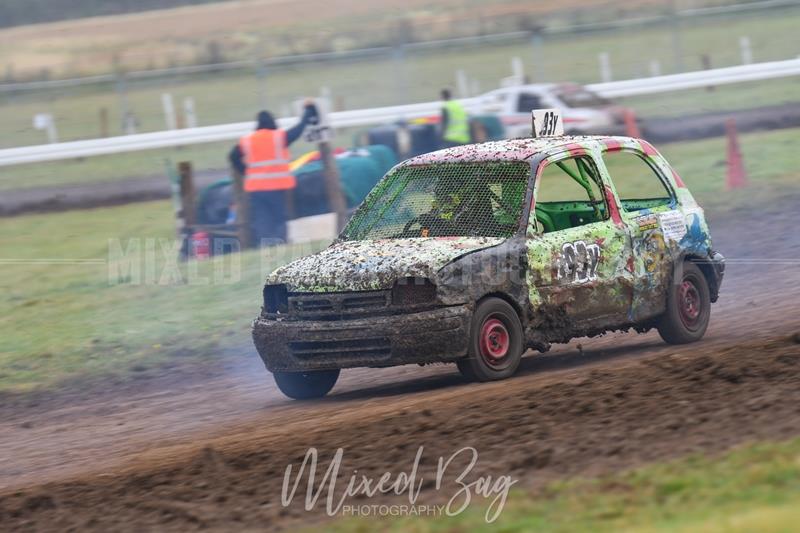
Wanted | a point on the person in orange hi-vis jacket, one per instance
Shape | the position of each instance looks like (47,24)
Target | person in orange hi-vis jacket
(263,158)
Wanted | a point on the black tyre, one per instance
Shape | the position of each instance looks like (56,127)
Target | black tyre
(496,342)
(306,385)
(688,307)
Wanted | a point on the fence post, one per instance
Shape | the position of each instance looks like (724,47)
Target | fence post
(189,113)
(705,60)
(333,184)
(655,67)
(187,194)
(242,210)
(462,83)
(185,208)
(128,124)
(605,67)
(103,122)
(518,69)
(746,49)
(169,111)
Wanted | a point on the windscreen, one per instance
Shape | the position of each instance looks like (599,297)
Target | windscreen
(580,97)
(444,200)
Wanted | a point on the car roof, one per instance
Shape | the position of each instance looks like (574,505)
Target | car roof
(537,87)
(527,86)
(512,149)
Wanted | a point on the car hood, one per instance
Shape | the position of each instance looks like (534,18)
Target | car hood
(374,264)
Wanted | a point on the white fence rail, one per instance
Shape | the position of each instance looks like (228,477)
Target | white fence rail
(700,78)
(364,117)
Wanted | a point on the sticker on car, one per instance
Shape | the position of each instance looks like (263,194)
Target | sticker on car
(647,222)
(672,225)
(577,262)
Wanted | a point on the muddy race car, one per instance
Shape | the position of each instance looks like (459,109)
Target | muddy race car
(473,255)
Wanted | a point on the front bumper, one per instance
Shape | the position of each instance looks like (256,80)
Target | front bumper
(438,335)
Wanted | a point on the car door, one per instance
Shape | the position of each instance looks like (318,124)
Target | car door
(577,246)
(647,205)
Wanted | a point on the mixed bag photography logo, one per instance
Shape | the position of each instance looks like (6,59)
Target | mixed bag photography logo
(454,486)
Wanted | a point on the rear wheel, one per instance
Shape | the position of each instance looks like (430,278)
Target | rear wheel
(306,385)
(688,307)
(496,342)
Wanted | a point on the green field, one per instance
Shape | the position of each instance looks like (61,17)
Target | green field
(754,488)
(119,167)
(67,319)
(234,96)
(122,305)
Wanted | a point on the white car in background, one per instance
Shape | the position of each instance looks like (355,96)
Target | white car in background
(583,111)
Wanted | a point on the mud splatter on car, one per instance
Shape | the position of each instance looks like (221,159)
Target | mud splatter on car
(476,253)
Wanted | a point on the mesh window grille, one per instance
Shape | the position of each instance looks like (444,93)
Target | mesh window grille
(444,200)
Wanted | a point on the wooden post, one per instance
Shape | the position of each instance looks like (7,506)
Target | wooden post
(706,61)
(187,194)
(321,133)
(242,210)
(185,208)
(333,184)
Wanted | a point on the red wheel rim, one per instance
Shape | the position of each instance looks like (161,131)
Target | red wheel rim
(494,341)
(689,303)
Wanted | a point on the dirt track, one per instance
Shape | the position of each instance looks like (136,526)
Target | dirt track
(210,448)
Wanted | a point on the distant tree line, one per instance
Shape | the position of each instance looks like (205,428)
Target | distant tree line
(18,12)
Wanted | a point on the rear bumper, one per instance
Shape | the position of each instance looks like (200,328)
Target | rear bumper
(438,335)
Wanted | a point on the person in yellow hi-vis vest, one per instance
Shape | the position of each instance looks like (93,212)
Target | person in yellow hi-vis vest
(455,122)
(263,158)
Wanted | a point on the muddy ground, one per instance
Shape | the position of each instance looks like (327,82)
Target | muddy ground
(209,447)
(142,189)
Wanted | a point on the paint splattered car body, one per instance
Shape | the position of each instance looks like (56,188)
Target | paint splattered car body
(445,230)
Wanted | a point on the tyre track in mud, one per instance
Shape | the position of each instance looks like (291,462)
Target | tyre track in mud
(212,451)
(587,422)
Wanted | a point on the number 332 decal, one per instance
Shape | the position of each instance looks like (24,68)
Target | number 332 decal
(578,262)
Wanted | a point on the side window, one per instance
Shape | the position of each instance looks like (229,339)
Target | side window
(568,195)
(528,102)
(638,184)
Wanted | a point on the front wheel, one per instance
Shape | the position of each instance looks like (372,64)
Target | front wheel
(496,342)
(306,385)
(688,307)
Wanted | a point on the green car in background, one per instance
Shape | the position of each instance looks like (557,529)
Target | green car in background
(475,254)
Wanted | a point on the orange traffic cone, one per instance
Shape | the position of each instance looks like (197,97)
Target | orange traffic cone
(736,176)
(631,124)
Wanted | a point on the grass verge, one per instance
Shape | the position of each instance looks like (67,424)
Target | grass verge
(752,488)
(98,291)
